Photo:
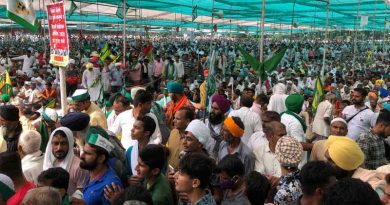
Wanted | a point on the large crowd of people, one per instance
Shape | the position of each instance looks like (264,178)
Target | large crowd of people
(168,122)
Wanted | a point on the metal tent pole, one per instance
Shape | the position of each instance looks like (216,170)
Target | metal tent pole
(326,38)
(262,39)
(124,34)
(356,32)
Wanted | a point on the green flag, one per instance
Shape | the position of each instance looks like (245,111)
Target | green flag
(7,87)
(73,8)
(104,53)
(43,130)
(119,10)
(22,12)
(194,13)
(260,68)
(319,94)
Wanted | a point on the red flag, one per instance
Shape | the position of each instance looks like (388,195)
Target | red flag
(215,27)
(148,51)
(177,29)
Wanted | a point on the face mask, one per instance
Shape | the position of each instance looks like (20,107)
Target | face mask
(228,184)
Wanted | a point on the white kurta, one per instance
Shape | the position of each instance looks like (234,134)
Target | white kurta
(88,80)
(124,123)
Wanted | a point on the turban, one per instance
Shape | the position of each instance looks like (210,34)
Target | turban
(288,151)
(222,102)
(294,102)
(80,95)
(200,131)
(88,65)
(94,54)
(344,152)
(5,98)
(174,87)
(383,92)
(7,188)
(206,73)
(50,115)
(233,128)
(379,81)
(339,119)
(75,121)
(94,59)
(134,91)
(99,137)
(386,106)
(9,113)
(71,61)
(372,95)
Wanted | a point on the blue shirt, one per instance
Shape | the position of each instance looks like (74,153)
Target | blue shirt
(93,191)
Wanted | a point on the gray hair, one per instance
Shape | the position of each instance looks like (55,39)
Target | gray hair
(43,196)
(30,140)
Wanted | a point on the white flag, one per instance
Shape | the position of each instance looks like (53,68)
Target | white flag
(23,13)
(363,21)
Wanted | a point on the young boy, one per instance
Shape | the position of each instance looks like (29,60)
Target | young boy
(143,128)
(150,163)
(193,178)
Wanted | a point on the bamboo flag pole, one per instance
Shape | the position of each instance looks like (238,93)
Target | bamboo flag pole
(124,34)
(262,39)
(326,38)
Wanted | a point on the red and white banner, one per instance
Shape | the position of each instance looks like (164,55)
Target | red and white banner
(59,45)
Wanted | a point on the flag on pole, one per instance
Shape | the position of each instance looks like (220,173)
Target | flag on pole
(319,93)
(51,104)
(118,57)
(148,51)
(363,21)
(119,10)
(73,8)
(104,53)
(43,130)
(23,13)
(194,13)
(7,87)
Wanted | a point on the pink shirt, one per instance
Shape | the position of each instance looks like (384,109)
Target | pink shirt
(158,66)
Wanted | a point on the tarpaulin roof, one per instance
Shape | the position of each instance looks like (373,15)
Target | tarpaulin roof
(238,15)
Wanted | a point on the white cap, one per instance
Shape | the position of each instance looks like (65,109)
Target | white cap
(71,61)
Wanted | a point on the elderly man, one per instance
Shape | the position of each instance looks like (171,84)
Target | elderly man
(10,128)
(232,131)
(83,104)
(183,117)
(197,138)
(59,153)
(338,127)
(266,161)
(31,155)
(346,157)
(178,100)
(323,116)
(91,81)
